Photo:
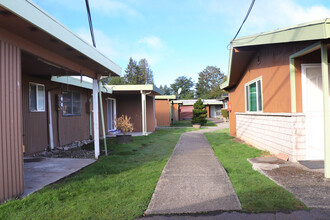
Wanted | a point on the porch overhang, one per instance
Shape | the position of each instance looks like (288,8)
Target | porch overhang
(35,31)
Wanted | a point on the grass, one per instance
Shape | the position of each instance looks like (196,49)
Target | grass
(187,123)
(256,192)
(118,186)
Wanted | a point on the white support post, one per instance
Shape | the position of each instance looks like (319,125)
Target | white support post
(325,88)
(96,118)
(51,138)
(144,112)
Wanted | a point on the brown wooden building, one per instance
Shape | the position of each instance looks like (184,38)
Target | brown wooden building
(34,47)
(278,89)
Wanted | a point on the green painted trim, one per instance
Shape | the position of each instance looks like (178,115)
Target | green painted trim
(30,12)
(69,80)
(325,88)
(225,84)
(315,30)
(302,52)
(171,97)
(293,86)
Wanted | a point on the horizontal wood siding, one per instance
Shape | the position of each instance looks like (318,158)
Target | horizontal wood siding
(11,155)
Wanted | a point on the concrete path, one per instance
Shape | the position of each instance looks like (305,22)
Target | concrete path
(315,214)
(193,180)
(39,172)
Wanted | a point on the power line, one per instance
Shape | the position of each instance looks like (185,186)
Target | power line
(90,22)
(247,15)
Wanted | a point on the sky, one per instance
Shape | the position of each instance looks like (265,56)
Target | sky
(177,37)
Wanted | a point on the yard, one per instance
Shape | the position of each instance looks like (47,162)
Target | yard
(256,192)
(120,186)
(187,123)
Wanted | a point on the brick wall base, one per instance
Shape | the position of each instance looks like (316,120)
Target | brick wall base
(274,132)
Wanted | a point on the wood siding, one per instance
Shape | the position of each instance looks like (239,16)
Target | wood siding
(163,117)
(11,155)
(66,129)
(271,62)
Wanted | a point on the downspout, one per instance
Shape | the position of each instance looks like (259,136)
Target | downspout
(325,88)
(102,120)
(50,122)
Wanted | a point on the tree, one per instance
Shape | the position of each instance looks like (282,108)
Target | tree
(186,85)
(166,90)
(116,80)
(138,73)
(208,85)
(199,113)
(147,76)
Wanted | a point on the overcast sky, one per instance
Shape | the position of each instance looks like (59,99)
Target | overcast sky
(178,37)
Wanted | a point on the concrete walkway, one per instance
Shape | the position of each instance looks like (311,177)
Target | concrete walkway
(193,180)
(40,172)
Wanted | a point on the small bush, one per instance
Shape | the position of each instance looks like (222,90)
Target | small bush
(225,113)
(199,113)
(124,124)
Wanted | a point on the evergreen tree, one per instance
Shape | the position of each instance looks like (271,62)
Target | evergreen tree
(116,80)
(132,72)
(186,85)
(138,73)
(166,90)
(146,75)
(199,113)
(208,85)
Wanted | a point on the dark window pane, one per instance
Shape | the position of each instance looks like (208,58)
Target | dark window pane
(33,97)
(67,108)
(67,96)
(253,97)
(41,98)
(259,96)
(76,96)
(76,108)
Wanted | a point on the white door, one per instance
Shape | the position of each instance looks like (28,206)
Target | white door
(314,114)
(111,106)
(212,111)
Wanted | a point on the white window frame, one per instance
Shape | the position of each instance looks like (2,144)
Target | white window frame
(246,95)
(43,109)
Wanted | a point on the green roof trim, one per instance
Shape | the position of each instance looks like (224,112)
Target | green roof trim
(33,14)
(171,97)
(70,80)
(311,31)
(315,30)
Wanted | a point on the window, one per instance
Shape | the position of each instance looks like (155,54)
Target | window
(253,96)
(37,97)
(71,103)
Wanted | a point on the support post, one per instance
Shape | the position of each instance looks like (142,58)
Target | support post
(51,137)
(102,120)
(293,86)
(325,89)
(96,118)
(144,112)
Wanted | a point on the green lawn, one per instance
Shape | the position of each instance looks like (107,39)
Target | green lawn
(187,123)
(256,192)
(118,186)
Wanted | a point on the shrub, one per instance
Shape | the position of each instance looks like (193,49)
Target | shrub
(199,113)
(124,124)
(225,113)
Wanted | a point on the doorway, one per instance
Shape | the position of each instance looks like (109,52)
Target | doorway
(111,114)
(313,108)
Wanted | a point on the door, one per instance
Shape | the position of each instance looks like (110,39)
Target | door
(111,114)
(314,114)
